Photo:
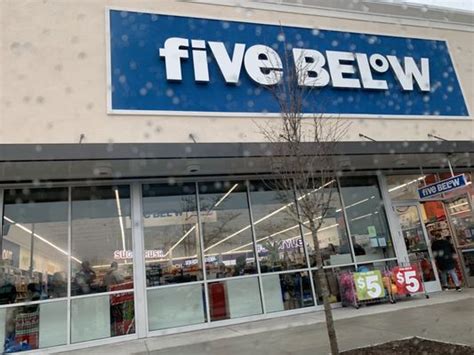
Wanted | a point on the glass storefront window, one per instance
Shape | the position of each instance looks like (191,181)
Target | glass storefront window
(178,306)
(332,236)
(235,298)
(404,187)
(227,234)
(102,316)
(172,246)
(332,280)
(34,245)
(102,258)
(366,217)
(34,268)
(287,291)
(278,236)
(462,219)
(35,326)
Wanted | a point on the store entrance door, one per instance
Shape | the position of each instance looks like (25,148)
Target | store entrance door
(417,243)
(461,218)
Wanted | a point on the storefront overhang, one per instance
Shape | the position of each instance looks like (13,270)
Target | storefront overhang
(59,162)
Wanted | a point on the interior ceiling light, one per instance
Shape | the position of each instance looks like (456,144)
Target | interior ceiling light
(269,215)
(36,235)
(119,211)
(406,184)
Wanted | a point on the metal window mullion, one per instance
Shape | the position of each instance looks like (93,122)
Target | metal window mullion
(306,253)
(69,259)
(203,257)
(255,251)
(396,236)
(139,269)
(346,221)
(1,216)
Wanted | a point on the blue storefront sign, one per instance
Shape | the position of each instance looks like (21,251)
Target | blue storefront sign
(440,187)
(164,64)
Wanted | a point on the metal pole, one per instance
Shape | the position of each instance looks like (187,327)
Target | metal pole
(139,269)
(346,221)
(450,167)
(32,246)
(69,267)
(308,261)
(1,223)
(203,257)
(255,251)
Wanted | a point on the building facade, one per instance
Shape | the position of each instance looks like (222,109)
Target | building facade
(134,173)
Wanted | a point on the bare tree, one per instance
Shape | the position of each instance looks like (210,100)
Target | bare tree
(302,160)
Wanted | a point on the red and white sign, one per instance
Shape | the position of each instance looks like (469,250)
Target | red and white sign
(128,254)
(407,279)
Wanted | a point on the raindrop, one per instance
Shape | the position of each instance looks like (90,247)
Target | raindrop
(175,100)
(372,40)
(143,91)
(82,55)
(40,99)
(122,79)
(281,37)
(315,32)
(169,92)
(334,43)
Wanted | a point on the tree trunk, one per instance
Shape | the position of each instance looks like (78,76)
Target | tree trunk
(323,284)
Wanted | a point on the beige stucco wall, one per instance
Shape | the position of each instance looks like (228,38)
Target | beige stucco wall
(53,77)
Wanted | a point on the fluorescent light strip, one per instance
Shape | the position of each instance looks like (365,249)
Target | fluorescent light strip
(224,197)
(361,217)
(271,235)
(180,240)
(119,210)
(227,238)
(406,184)
(189,231)
(459,205)
(268,216)
(323,229)
(29,231)
(459,212)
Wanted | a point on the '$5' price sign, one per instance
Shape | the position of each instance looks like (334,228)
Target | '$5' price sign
(369,285)
(408,280)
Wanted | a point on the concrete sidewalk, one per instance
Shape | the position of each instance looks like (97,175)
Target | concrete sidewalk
(446,316)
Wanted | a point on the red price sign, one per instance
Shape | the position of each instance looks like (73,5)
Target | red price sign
(407,279)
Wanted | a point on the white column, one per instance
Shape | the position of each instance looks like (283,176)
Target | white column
(139,271)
